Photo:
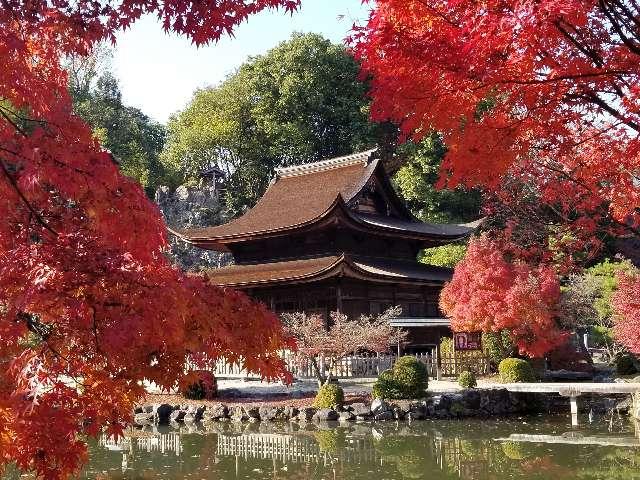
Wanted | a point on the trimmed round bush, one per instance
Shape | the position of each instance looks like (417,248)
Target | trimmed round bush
(385,386)
(200,385)
(328,396)
(515,370)
(467,379)
(626,365)
(408,378)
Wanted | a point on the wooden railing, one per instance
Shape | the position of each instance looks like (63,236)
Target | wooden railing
(364,366)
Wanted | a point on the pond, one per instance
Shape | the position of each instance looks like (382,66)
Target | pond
(544,447)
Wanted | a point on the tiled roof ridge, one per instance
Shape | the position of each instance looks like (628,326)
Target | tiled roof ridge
(323,165)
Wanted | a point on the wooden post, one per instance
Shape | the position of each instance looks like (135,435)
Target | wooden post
(438,361)
(574,410)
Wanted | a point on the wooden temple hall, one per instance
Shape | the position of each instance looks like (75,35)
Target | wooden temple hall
(333,235)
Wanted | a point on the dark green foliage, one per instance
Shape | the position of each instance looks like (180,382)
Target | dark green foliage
(407,379)
(416,181)
(443,256)
(300,102)
(497,346)
(328,396)
(134,140)
(385,386)
(514,370)
(626,364)
(467,379)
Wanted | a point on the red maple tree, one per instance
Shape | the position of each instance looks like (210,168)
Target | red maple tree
(538,104)
(626,305)
(89,305)
(548,84)
(490,294)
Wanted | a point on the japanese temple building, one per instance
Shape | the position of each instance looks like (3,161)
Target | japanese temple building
(334,235)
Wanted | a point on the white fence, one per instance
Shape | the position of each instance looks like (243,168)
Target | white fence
(353,366)
(363,365)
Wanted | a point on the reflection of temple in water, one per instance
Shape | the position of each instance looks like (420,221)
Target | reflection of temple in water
(231,451)
(297,448)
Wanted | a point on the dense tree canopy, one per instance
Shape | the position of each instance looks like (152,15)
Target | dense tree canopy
(537,104)
(626,302)
(300,102)
(133,138)
(417,178)
(490,294)
(89,306)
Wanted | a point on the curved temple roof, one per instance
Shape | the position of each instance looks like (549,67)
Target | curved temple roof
(304,195)
(313,269)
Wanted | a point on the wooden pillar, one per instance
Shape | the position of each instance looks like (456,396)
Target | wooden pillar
(339,295)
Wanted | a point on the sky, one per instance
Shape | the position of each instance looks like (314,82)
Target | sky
(158,73)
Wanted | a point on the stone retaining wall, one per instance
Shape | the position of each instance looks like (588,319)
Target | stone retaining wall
(483,403)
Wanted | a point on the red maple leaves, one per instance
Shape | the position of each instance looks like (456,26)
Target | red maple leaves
(552,84)
(490,294)
(89,305)
(626,304)
(542,94)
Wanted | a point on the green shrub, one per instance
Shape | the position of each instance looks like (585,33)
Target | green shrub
(497,346)
(407,379)
(328,396)
(602,337)
(626,365)
(467,379)
(446,346)
(513,370)
(200,385)
(385,386)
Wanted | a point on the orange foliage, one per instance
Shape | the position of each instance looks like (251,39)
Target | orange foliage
(550,86)
(89,305)
(488,293)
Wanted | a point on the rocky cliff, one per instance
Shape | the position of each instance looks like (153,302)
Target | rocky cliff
(192,206)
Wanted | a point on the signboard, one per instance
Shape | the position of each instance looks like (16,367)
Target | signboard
(463,341)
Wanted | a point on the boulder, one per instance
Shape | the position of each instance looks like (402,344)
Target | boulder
(290,412)
(384,415)
(216,411)
(378,405)
(177,415)
(346,416)
(143,419)
(360,409)
(325,415)
(270,414)
(306,414)
(252,412)
(163,413)
(238,414)
(471,400)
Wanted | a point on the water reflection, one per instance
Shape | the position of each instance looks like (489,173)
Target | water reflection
(483,450)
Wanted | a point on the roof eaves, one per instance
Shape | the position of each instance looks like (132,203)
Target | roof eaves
(322,273)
